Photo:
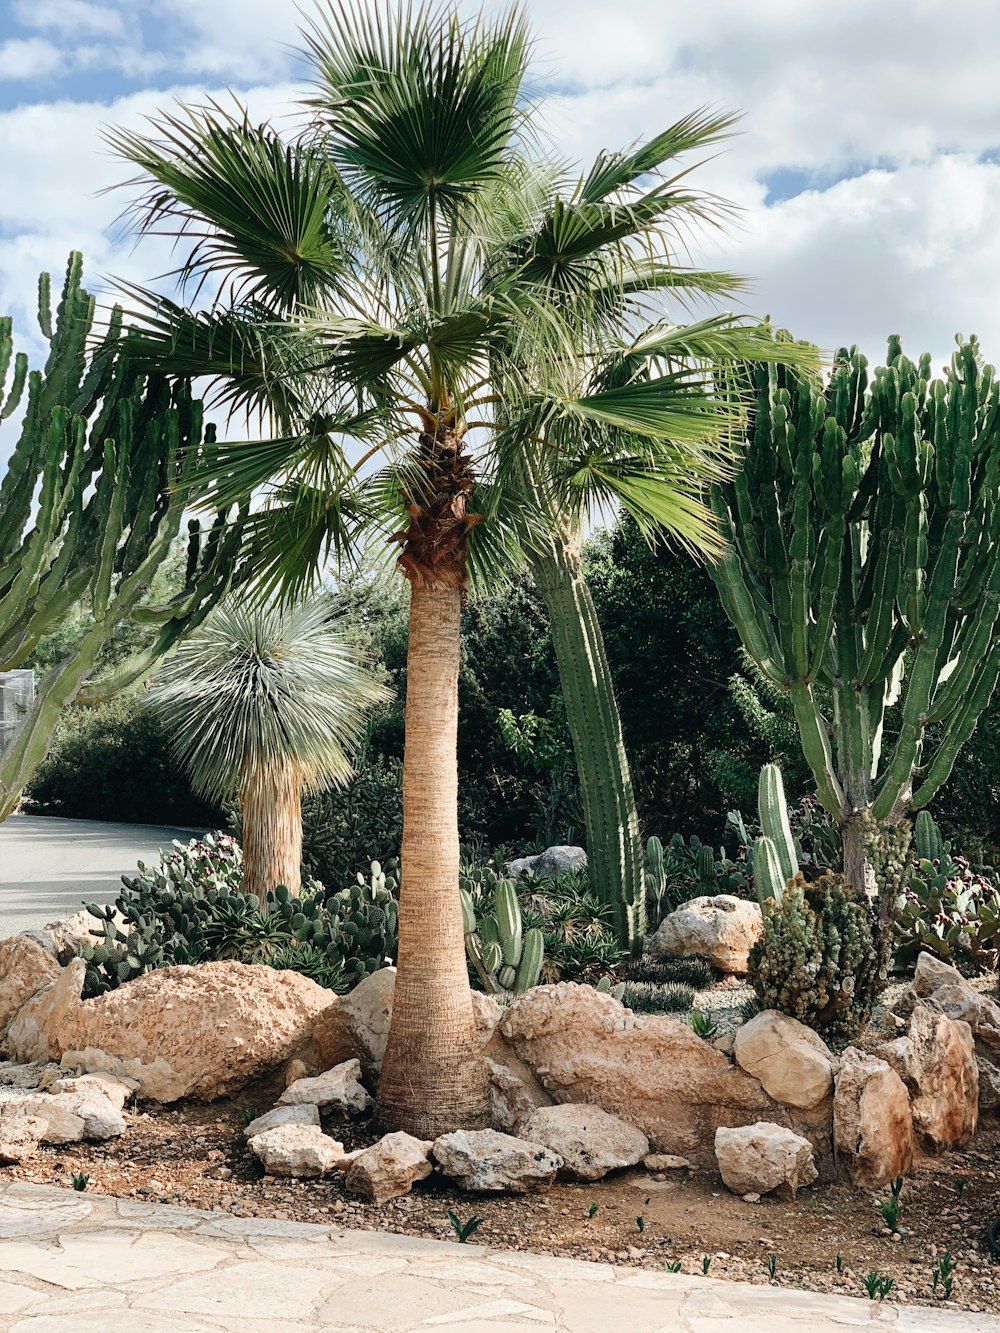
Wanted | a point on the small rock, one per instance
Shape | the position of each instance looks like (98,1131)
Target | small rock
(297,1150)
(306,1113)
(590,1141)
(665,1161)
(751,1198)
(487,1161)
(510,1101)
(936,1060)
(339,1089)
(550,864)
(764,1157)
(388,1168)
(20,1135)
(297,1069)
(794,1064)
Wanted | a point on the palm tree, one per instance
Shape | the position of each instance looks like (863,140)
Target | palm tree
(399,291)
(263,703)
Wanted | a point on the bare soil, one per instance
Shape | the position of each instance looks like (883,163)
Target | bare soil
(195,1155)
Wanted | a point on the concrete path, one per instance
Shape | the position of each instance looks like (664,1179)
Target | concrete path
(49,866)
(81,1263)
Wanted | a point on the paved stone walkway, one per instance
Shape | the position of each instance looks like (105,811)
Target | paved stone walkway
(75,1263)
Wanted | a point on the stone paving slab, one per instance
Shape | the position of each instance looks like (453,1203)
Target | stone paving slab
(71,1263)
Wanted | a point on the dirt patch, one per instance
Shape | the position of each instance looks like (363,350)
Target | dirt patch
(195,1155)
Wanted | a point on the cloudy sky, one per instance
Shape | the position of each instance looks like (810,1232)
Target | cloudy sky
(867,169)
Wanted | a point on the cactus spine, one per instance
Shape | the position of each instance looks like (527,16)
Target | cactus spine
(506,957)
(864,558)
(89,506)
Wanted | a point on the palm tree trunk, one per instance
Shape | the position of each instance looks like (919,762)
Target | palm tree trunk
(271,815)
(433,1075)
(614,847)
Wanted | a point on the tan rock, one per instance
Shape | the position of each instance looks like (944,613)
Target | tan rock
(511,1101)
(20,1135)
(590,1141)
(339,1089)
(116,1090)
(648,1070)
(872,1126)
(485,1161)
(763,1158)
(367,1013)
(949,991)
(989,1085)
(794,1064)
(665,1161)
(936,1060)
(25,968)
(304,1114)
(722,929)
(201,1032)
(302,1151)
(62,1125)
(296,1069)
(332,1040)
(388,1168)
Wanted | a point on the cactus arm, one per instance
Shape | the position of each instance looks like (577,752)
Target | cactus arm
(768,880)
(960,727)
(815,736)
(773,813)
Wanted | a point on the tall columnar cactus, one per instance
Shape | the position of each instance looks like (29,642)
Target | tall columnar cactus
(773,814)
(90,504)
(614,847)
(863,570)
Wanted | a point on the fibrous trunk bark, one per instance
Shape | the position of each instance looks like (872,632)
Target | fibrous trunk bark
(614,847)
(271,815)
(433,1075)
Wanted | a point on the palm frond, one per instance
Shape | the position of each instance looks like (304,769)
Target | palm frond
(613,171)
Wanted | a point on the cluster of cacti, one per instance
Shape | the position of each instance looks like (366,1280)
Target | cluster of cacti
(949,907)
(816,960)
(191,908)
(91,502)
(683,870)
(863,570)
(506,958)
(643,997)
(616,989)
(366,920)
(697,973)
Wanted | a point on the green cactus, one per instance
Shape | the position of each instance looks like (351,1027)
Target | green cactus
(773,813)
(616,990)
(505,957)
(707,874)
(655,877)
(863,568)
(769,881)
(367,916)
(90,504)
(927,841)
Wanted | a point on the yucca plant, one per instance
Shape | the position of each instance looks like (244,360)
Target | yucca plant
(263,703)
(391,285)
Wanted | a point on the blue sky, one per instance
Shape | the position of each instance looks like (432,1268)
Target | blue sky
(866,170)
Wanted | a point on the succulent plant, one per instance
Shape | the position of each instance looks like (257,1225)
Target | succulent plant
(506,958)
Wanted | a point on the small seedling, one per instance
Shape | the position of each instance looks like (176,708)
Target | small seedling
(889,1209)
(249,1114)
(80,1180)
(706,1263)
(877,1285)
(942,1275)
(960,1184)
(640,1222)
(673,1266)
(592,1211)
(702,1024)
(772,1266)
(839,1262)
(463,1230)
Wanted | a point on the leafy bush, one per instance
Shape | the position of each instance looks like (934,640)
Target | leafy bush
(345,828)
(951,909)
(816,961)
(191,909)
(112,762)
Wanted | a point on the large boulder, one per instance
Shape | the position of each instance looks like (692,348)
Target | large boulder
(201,1032)
(388,1168)
(649,1070)
(302,1151)
(485,1161)
(722,929)
(338,1089)
(872,1126)
(25,968)
(762,1158)
(946,989)
(550,864)
(590,1141)
(794,1064)
(936,1059)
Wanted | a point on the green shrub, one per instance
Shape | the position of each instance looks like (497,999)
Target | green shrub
(951,909)
(816,961)
(346,828)
(191,909)
(113,762)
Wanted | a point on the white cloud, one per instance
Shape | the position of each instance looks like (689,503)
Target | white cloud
(28,58)
(72,18)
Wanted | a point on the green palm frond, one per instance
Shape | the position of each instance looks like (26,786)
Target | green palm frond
(613,171)
(419,108)
(258,685)
(257,210)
